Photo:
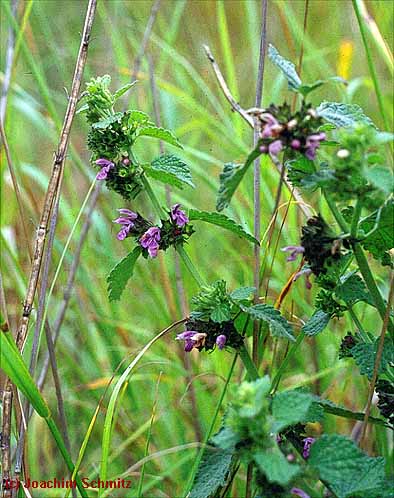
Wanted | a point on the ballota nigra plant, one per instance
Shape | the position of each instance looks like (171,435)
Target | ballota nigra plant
(335,149)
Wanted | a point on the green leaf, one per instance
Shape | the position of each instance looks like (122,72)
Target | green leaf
(226,439)
(221,313)
(160,134)
(243,293)
(213,472)
(121,273)
(352,289)
(343,115)
(105,123)
(292,407)
(123,90)
(380,177)
(231,177)
(382,239)
(139,117)
(342,465)
(221,220)
(306,89)
(287,68)
(317,323)
(279,326)
(298,169)
(364,355)
(275,466)
(170,170)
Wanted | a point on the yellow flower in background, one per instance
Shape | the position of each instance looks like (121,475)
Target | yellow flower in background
(345,58)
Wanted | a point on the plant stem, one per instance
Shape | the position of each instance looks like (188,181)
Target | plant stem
(337,214)
(152,197)
(355,219)
(359,325)
(190,266)
(371,66)
(285,362)
(248,363)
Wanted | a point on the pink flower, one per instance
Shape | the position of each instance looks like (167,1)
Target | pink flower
(178,215)
(294,251)
(307,272)
(127,222)
(221,341)
(192,339)
(274,148)
(312,143)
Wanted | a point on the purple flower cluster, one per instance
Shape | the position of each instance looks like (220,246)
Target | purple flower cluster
(178,216)
(312,143)
(150,241)
(308,441)
(106,165)
(127,222)
(194,339)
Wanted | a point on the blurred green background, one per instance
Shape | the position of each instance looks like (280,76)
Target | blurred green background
(97,335)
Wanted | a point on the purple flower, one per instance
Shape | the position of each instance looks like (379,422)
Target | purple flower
(312,143)
(271,127)
(221,341)
(308,441)
(294,250)
(150,240)
(105,167)
(192,339)
(299,492)
(307,272)
(179,216)
(127,222)
(274,148)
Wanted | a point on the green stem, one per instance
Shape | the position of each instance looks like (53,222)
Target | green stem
(337,214)
(370,63)
(359,325)
(285,362)
(189,265)
(248,363)
(356,216)
(152,197)
(63,450)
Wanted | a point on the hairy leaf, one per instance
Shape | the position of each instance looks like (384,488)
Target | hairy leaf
(352,289)
(105,123)
(382,239)
(347,470)
(380,177)
(293,407)
(317,323)
(159,133)
(170,170)
(139,117)
(121,273)
(287,68)
(364,355)
(279,326)
(243,293)
(213,472)
(275,466)
(343,115)
(231,177)
(221,220)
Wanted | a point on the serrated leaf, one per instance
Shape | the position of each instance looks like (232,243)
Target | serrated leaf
(279,326)
(342,465)
(298,168)
(287,68)
(170,170)
(139,117)
(381,240)
(343,115)
(160,134)
(275,466)
(83,108)
(352,289)
(242,293)
(221,313)
(364,355)
(123,90)
(105,123)
(231,177)
(226,439)
(292,407)
(317,323)
(121,273)
(213,472)
(221,220)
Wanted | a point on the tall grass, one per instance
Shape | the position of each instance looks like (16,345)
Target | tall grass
(96,335)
